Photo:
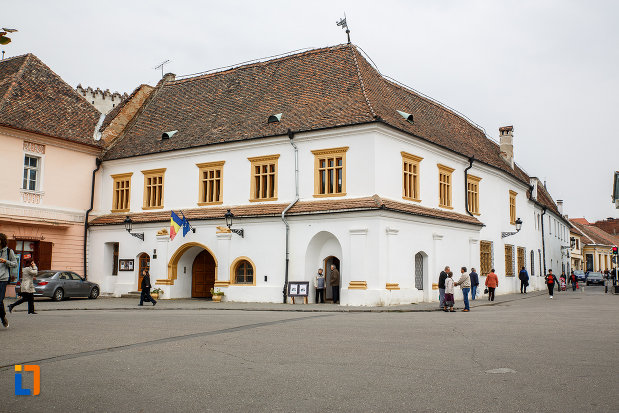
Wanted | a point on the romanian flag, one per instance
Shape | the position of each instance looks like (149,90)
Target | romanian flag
(175,225)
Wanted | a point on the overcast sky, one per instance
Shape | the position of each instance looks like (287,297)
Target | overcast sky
(550,68)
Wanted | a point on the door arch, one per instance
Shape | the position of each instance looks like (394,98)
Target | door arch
(143,264)
(203,275)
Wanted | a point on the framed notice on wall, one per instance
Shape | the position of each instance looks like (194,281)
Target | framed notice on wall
(298,288)
(125,265)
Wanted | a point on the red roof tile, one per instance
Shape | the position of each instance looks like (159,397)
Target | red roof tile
(35,99)
(594,235)
(300,208)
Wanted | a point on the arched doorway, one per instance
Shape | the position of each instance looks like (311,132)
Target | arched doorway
(330,260)
(143,264)
(203,275)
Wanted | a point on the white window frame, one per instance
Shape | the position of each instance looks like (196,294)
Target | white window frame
(40,167)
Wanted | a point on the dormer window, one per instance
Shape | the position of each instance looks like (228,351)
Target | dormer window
(409,118)
(275,118)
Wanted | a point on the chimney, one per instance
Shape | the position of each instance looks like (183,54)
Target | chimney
(506,142)
(560,206)
(533,181)
(168,77)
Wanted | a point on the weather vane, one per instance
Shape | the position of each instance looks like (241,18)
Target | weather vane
(160,66)
(342,23)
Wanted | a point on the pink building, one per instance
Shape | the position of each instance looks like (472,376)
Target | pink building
(48,154)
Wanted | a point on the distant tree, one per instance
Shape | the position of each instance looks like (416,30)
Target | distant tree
(3,35)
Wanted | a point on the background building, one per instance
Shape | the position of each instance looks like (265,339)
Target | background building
(48,155)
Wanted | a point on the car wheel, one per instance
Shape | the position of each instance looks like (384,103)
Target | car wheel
(94,293)
(58,295)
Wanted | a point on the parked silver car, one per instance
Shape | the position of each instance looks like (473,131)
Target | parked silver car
(58,285)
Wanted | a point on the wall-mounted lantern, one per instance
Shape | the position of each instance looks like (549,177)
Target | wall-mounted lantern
(229,216)
(129,225)
(518,228)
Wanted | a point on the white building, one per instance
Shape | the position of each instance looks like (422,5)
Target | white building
(381,187)
(103,100)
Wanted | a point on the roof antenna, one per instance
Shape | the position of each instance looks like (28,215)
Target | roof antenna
(343,24)
(161,66)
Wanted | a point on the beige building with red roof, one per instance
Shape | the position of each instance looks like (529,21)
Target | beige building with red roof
(596,245)
(48,157)
(321,160)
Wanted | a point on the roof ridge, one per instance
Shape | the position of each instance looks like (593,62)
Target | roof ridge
(18,75)
(252,63)
(360,77)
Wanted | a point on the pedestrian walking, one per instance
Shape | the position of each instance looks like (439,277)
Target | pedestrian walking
(524,280)
(449,293)
(319,285)
(145,296)
(7,261)
(492,283)
(474,283)
(573,281)
(465,284)
(334,280)
(441,287)
(551,281)
(28,273)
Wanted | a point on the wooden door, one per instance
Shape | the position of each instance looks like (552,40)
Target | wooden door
(143,264)
(203,275)
(327,271)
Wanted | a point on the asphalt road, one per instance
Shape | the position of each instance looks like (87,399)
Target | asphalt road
(533,355)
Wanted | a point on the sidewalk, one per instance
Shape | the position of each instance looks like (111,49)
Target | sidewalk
(108,303)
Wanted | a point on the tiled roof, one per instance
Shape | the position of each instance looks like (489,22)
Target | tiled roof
(300,208)
(318,89)
(594,235)
(544,198)
(35,99)
(582,221)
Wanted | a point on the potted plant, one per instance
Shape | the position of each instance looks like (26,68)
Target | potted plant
(156,293)
(217,295)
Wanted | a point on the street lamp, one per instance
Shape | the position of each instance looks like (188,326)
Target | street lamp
(518,228)
(129,225)
(229,216)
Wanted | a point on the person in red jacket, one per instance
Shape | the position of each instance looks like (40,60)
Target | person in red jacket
(551,281)
(492,282)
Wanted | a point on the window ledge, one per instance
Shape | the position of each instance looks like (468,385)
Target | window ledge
(411,199)
(153,207)
(263,199)
(114,211)
(29,191)
(476,213)
(445,207)
(210,203)
(329,195)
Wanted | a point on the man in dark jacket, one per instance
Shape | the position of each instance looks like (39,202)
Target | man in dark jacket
(524,280)
(441,286)
(474,283)
(145,296)
(334,280)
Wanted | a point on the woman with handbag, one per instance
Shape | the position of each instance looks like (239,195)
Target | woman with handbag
(27,287)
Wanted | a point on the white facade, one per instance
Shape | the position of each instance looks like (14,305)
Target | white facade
(378,247)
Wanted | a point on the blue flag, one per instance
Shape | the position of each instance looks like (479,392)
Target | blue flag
(186,226)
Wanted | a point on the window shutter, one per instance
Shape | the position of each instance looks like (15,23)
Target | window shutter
(45,255)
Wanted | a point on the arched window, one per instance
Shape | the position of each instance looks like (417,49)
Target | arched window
(243,272)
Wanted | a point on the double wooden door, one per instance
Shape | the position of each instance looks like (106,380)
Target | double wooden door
(203,275)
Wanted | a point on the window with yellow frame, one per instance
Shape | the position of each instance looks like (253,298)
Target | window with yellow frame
(512,207)
(243,272)
(153,188)
(472,193)
(330,172)
(121,197)
(444,186)
(410,176)
(210,183)
(263,185)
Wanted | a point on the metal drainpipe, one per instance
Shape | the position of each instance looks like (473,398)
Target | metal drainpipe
(466,185)
(296,199)
(92,200)
(543,241)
